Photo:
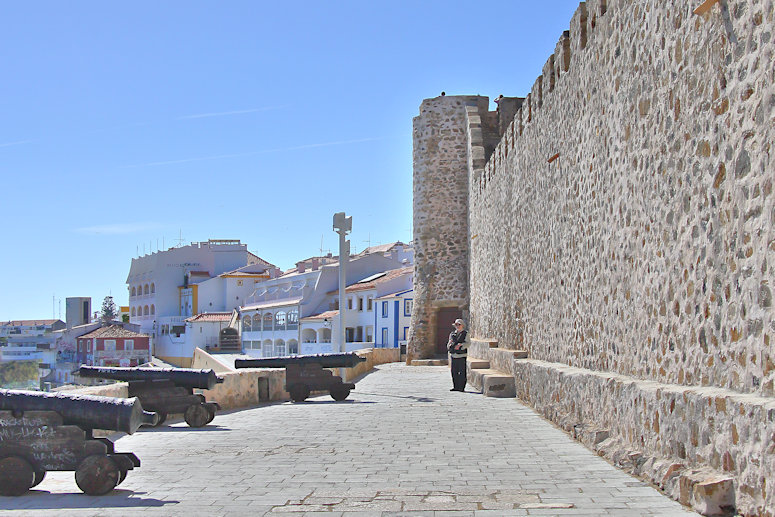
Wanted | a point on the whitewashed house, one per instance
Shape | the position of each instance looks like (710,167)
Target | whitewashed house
(167,287)
(283,316)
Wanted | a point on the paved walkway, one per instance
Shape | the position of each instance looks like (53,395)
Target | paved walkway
(402,444)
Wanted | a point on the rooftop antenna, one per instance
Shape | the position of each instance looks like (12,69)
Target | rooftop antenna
(53,307)
(368,241)
(180,239)
(321,244)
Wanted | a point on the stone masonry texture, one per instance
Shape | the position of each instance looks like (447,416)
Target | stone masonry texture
(622,231)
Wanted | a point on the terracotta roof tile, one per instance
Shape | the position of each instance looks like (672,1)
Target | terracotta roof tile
(111,331)
(210,317)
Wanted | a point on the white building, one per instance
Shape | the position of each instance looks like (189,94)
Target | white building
(283,316)
(399,251)
(394,312)
(30,340)
(166,287)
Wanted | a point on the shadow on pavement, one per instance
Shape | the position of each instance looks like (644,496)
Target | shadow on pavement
(343,402)
(44,500)
(410,397)
(179,429)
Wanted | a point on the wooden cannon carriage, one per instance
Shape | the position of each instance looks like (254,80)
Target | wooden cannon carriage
(307,373)
(165,390)
(41,432)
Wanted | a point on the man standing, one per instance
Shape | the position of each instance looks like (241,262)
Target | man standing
(458,350)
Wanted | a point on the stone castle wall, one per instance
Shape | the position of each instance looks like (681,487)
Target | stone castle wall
(622,231)
(647,248)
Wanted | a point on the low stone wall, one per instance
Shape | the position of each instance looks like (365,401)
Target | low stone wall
(241,388)
(708,447)
(374,356)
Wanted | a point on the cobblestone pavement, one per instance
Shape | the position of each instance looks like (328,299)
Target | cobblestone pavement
(402,444)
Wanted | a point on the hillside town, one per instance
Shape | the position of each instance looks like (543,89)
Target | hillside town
(219,297)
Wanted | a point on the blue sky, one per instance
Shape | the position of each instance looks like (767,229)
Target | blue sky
(125,125)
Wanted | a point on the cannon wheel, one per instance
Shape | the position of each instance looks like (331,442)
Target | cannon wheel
(162,418)
(16,475)
(121,476)
(39,475)
(196,415)
(97,475)
(210,411)
(299,392)
(339,393)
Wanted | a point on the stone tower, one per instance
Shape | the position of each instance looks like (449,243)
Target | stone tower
(443,158)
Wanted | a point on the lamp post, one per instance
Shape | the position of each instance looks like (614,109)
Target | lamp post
(342,225)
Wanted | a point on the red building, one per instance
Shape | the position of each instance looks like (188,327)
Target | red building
(113,345)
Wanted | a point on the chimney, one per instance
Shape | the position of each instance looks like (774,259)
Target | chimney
(301,266)
(315,263)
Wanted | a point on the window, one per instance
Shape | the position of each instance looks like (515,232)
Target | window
(247,324)
(384,309)
(279,348)
(349,304)
(369,333)
(153,288)
(109,345)
(134,292)
(145,289)
(407,307)
(133,312)
(145,311)
(165,329)
(349,334)
(268,317)
(129,344)
(153,310)
(279,320)
(384,335)
(360,303)
(406,333)
(370,303)
(257,323)
(293,347)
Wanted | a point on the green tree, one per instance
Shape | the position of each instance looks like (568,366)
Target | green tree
(109,311)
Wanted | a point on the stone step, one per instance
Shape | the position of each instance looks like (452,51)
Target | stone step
(492,383)
(478,364)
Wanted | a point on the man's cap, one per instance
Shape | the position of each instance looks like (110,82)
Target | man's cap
(458,321)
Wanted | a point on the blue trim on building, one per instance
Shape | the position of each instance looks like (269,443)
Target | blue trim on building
(395,324)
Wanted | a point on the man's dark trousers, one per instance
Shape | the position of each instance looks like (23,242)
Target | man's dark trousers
(459,373)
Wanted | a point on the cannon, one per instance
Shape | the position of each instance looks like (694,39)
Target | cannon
(165,390)
(306,373)
(41,432)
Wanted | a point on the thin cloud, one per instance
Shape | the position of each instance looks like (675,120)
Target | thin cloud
(118,228)
(252,153)
(227,113)
(20,142)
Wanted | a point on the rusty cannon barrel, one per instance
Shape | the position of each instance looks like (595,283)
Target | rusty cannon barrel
(324,360)
(85,411)
(183,377)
